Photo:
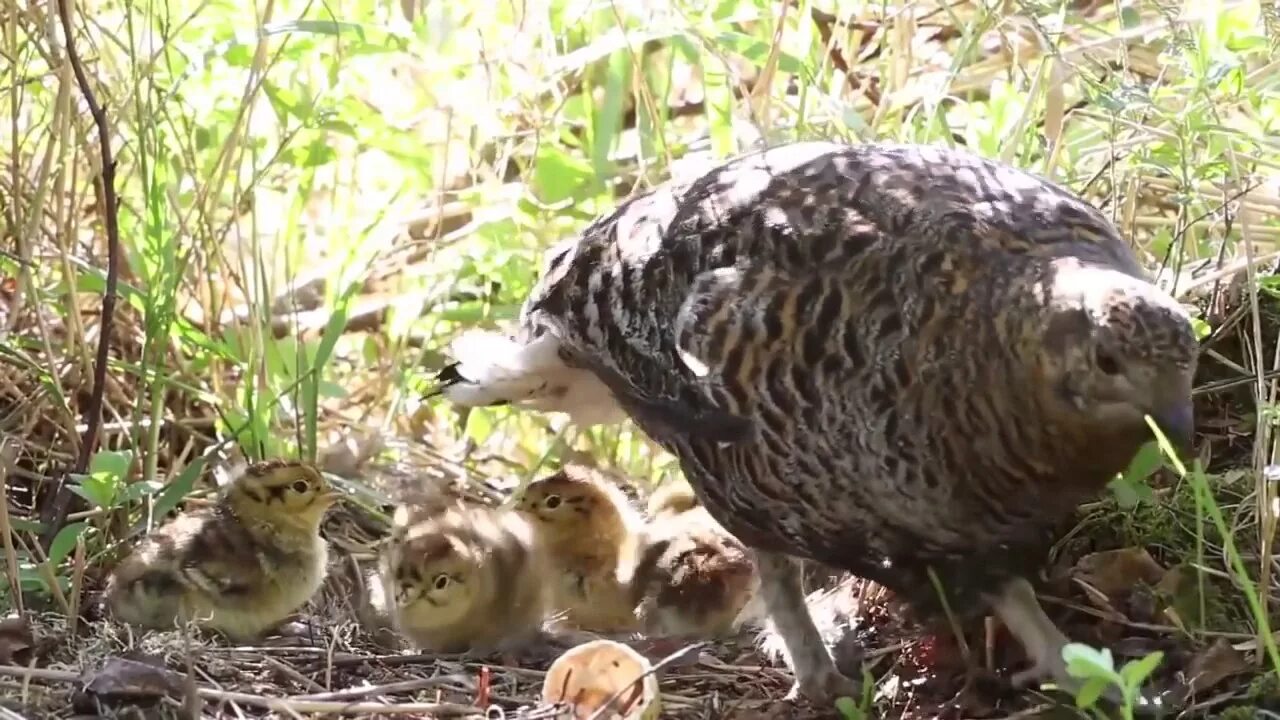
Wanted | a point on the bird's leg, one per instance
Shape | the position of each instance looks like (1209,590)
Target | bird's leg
(1020,611)
(817,678)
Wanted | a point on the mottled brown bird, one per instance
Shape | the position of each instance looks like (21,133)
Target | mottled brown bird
(885,358)
(590,530)
(239,566)
(693,578)
(462,578)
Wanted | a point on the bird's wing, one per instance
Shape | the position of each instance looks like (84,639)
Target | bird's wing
(678,292)
(222,559)
(224,577)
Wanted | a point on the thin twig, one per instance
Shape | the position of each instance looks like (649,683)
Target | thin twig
(93,411)
(281,704)
(8,454)
(387,689)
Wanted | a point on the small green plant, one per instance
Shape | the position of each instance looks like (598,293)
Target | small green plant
(860,710)
(1130,487)
(106,484)
(1097,669)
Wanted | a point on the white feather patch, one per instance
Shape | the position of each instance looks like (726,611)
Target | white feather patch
(498,369)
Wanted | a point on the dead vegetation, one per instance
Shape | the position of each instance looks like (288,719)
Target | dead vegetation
(295,249)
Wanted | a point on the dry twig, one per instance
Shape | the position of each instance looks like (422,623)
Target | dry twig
(109,205)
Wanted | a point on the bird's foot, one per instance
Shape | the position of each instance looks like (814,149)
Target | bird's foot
(1043,642)
(817,678)
(824,688)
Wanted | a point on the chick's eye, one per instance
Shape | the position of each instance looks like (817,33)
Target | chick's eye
(441,582)
(553,502)
(300,486)
(1108,363)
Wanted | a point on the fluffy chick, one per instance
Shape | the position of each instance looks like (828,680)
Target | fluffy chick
(694,578)
(590,530)
(462,578)
(239,566)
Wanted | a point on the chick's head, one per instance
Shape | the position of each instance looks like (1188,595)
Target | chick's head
(284,494)
(435,577)
(576,503)
(1116,349)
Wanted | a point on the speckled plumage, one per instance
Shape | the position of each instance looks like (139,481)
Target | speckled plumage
(459,578)
(882,357)
(693,578)
(590,531)
(239,566)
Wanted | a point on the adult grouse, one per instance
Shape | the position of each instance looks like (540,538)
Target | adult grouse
(885,358)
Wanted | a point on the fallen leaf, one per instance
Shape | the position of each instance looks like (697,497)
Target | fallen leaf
(1212,665)
(1179,593)
(1115,572)
(16,640)
(124,679)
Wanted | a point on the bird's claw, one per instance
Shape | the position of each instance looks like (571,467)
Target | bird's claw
(1041,670)
(824,688)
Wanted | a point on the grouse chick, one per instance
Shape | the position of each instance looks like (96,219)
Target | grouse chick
(693,578)
(590,530)
(239,566)
(886,358)
(462,578)
(671,498)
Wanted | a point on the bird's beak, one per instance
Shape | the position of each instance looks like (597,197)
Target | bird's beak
(331,496)
(1176,420)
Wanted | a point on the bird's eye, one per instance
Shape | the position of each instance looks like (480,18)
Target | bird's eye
(441,582)
(300,486)
(1108,363)
(553,502)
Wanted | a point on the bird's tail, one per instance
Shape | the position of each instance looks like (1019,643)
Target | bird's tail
(491,369)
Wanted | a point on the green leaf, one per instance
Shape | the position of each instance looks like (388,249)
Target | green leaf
(317,154)
(111,463)
(1135,672)
(99,489)
(178,490)
(1126,496)
(1089,693)
(64,541)
(558,176)
(758,51)
(1202,328)
(608,117)
(1084,661)
(28,526)
(848,709)
(136,491)
(1144,463)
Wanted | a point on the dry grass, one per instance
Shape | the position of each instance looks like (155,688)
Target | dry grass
(307,213)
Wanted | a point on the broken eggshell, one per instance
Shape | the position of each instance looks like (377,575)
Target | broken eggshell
(589,676)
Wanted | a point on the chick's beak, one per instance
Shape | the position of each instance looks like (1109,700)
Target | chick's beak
(330,497)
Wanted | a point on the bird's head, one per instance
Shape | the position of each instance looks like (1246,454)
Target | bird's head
(573,504)
(1115,349)
(286,496)
(432,576)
